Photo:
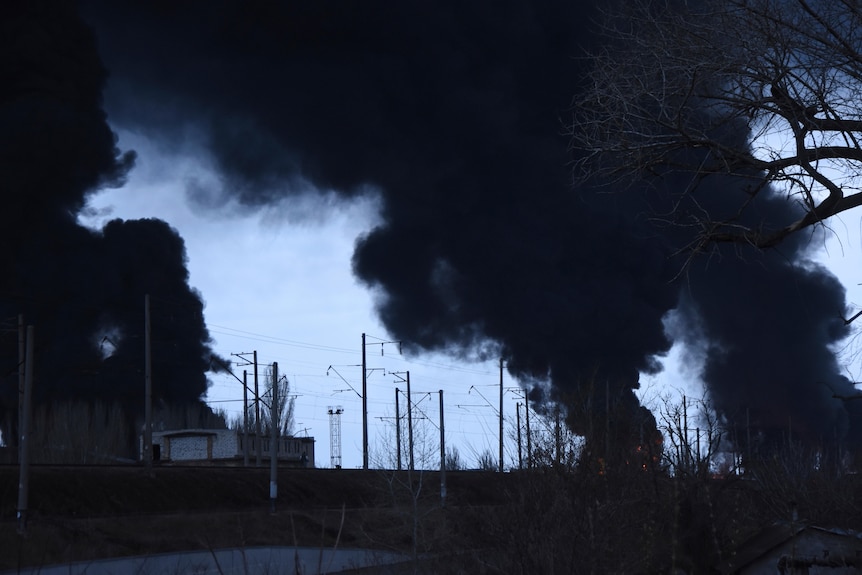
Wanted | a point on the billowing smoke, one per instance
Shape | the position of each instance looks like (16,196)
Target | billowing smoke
(766,326)
(83,290)
(453,112)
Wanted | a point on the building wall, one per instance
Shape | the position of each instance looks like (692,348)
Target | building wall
(210,444)
(190,448)
(289,448)
(224,444)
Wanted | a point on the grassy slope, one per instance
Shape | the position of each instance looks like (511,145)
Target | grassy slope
(85,513)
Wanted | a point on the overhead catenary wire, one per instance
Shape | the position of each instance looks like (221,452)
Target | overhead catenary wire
(318,393)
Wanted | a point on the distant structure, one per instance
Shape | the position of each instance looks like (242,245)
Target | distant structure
(335,436)
(796,547)
(226,446)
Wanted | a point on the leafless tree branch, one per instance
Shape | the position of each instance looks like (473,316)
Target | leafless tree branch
(761,90)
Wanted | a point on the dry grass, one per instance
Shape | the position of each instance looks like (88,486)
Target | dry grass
(84,513)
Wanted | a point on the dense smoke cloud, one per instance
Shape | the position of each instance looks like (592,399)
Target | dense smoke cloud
(453,112)
(83,290)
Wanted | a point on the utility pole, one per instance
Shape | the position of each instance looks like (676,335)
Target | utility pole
(442,456)
(557,438)
(686,448)
(273,441)
(365,399)
(24,434)
(697,444)
(397,432)
(607,423)
(410,422)
(518,421)
(364,408)
(244,381)
(257,429)
(22,346)
(245,418)
(748,437)
(409,416)
(529,439)
(148,388)
(501,415)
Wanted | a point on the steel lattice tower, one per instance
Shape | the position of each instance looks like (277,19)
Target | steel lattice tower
(335,436)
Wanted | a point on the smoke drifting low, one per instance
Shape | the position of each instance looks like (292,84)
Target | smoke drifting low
(453,113)
(83,290)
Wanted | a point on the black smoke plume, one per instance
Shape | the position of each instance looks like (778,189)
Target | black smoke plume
(453,112)
(82,290)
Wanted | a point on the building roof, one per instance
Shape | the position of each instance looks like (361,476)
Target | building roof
(189,432)
(772,537)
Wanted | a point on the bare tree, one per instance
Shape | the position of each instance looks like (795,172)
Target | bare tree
(693,436)
(285,406)
(761,90)
(80,433)
(453,459)
(487,461)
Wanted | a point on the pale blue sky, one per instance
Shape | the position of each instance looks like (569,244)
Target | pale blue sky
(278,280)
(281,284)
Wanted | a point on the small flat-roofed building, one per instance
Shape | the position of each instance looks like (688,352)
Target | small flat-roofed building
(226,445)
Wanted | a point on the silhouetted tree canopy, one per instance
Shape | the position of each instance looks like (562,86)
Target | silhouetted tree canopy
(679,83)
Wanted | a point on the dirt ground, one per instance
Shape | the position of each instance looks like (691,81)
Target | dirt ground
(83,513)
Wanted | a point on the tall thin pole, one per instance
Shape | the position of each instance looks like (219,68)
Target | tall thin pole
(607,421)
(273,441)
(685,444)
(518,423)
(22,346)
(365,408)
(529,439)
(442,456)
(501,415)
(748,436)
(257,429)
(148,387)
(697,445)
(397,432)
(557,440)
(24,431)
(245,418)
(410,423)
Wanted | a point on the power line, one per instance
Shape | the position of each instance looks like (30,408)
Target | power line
(277,340)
